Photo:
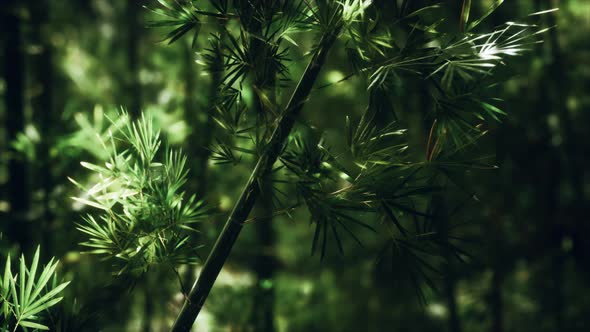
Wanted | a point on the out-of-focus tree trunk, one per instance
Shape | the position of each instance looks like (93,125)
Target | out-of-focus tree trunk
(202,132)
(571,164)
(148,301)
(265,262)
(133,25)
(450,291)
(14,77)
(440,213)
(496,302)
(43,108)
(497,253)
(202,123)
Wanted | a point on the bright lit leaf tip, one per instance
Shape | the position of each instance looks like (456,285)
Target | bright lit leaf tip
(544,12)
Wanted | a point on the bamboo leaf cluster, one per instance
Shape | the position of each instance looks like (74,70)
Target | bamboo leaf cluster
(145,217)
(457,68)
(24,296)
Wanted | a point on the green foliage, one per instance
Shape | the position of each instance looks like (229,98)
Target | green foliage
(98,125)
(146,218)
(476,55)
(458,68)
(26,143)
(182,18)
(24,296)
(495,4)
(374,161)
(376,179)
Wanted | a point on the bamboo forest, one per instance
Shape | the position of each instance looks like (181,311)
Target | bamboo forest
(294,165)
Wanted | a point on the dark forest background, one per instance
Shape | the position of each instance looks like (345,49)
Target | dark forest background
(67,63)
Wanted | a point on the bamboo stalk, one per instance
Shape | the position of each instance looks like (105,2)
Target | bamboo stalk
(251,191)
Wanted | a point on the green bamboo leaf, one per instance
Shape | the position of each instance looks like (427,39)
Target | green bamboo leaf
(465,9)
(94,168)
(17,307)
(81,187)
(490,10)
(100,186)
(422,10)
(32,325)
(175,34)
(337,237)
(47,301)
(44,278)
(5,289)
(492,110)
(167,5)
(349,133)
(90,203)
(22,279)
(32,273)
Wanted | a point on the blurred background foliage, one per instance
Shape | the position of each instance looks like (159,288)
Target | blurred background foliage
(68,63)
